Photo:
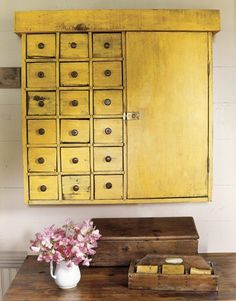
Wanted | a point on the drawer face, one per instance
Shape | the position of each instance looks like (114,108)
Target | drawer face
(75,159)
(107,102)
(108,131)
(41,131)
(42,159)
(109,187)
(43,187)
(74,102)
(41,103)
(41,75)
(76,187)
(108,159)
(106,74)
(107,45)
(74,45)
(76,131)
(41,45)
(74,74)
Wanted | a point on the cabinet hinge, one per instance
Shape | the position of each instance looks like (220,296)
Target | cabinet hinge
(131,116)
(208,164)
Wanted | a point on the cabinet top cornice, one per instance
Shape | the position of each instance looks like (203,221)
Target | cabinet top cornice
(117,20)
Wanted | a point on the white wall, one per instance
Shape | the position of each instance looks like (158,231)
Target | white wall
(216,221)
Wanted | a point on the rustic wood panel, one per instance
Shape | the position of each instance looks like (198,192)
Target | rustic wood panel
(10,77)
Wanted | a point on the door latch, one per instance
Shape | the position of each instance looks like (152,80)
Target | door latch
(131,116)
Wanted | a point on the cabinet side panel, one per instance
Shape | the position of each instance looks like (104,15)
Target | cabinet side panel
(167,83)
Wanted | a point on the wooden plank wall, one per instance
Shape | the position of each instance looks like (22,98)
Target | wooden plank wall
(10,77)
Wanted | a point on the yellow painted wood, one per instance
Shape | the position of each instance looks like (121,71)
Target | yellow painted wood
(101,190)
(51,183)
(107,45)
(168,145)
(118,20)
(81,126)
(108,159)
(42,160)
(41,103)
(173,269)
(74,103)
(114,104)
(46,70)
(75,159)
(66,74)
(147,269)
(103,125)
(82,183)
(49,127)
(113,78)
(41,45)
(74,45)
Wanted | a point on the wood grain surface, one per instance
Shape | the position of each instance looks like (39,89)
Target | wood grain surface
(10,77)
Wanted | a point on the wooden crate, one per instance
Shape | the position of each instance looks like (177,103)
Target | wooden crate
(126,239)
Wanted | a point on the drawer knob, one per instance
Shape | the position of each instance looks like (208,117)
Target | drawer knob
(108,158)
(108,185)
(41,160)
(41,45)
(76,187)
(41,131)
(74,103)
(75,160)
(74,132)
(108,131)
(107,45)
(74,74)
(41,74)
(107,72)
(107,102)
(43,188)
(41,103)
(73,45)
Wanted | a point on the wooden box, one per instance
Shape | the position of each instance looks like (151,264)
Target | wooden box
(126,239)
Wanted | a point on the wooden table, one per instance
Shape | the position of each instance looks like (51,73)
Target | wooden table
(33,282)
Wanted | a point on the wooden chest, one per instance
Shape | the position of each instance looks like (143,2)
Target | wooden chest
(126,239)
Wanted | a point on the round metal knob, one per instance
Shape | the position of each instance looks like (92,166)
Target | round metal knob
(76,187)
(74,103)
(41,103)
(107,45)
(41,45)
(107,102)
(73,45)
(41,74)
(107,72)
(41,131)
(108,185)
(75,160)
(108,131)
(43,188)
(41,160)
(108,158)
(74,132)
(74,74)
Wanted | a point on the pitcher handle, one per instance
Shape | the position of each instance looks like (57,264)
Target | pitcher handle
(51,270)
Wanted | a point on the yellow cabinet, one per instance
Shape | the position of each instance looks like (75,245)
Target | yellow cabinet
(42,159)
(76,187)
(41,75)
(43,188)
(76,159)
(41,45)
(41,131)
(74,45)
(107,45)
(41,103)
(74,103)
(107,74)
(74,74)
(109,187)
(108,102)
(108,159)
(108,131)
(76,131)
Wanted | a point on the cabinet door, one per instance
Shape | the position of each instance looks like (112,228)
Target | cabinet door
(167,83)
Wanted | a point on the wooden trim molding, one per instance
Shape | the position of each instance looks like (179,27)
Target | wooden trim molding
(10,77)
(12,259)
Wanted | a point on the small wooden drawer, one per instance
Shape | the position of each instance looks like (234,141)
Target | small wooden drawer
(74,102)
(76,131)
(109,187)
(108,159)
(42,159)
(74,45)
(41,45)
(41,75)
(43,187)
(108,102)
(107,45)
(76,187)
(41,131)
(75,159)
(108,131)
(74,74)
(107,74)
(41,103)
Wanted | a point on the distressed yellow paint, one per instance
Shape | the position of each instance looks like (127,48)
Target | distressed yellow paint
(102,79)
(47,71)
(41,45)
(75,159)
(66,74)
(103,193)
(51,183)
(108,159)
(74,103)
(74,45)
(103,125)
(81,126)
(35,162)
(107,45)
(82,183)
(41,103)
(49,127)
(113,106)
